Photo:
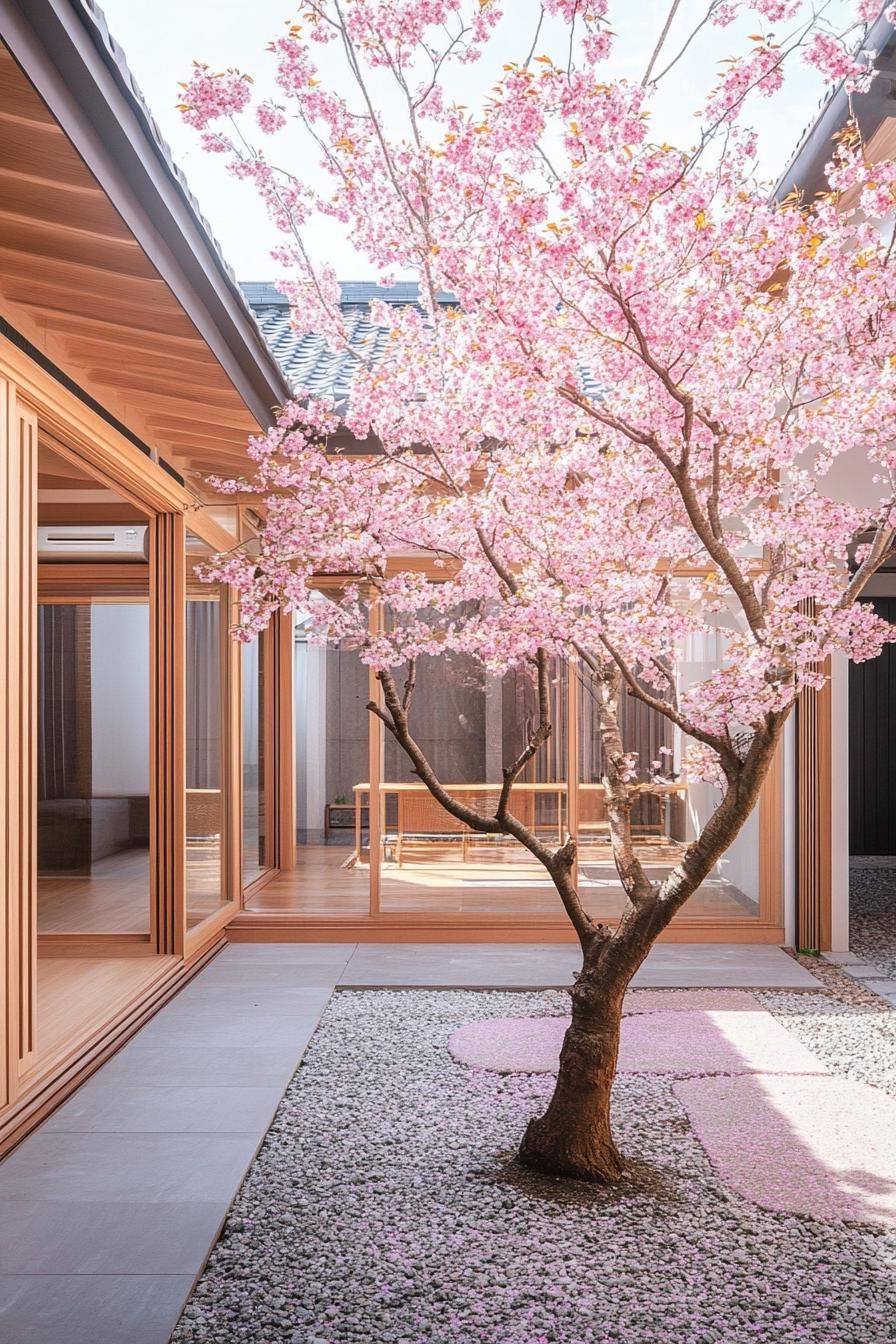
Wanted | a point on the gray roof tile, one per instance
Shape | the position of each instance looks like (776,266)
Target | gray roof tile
(307,361)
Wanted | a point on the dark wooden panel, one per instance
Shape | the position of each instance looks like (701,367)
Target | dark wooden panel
(872,748)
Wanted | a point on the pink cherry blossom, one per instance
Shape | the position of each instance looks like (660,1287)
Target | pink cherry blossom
(610,420)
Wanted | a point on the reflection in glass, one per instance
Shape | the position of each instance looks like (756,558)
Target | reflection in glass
(470,724)
(669,810)
(255,860)
(205,738)
(93,767)
(332,760)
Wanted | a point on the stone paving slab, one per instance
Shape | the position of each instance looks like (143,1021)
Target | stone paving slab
(109,1210)
(658,1042)
(552,966)
(59,1236)
(822,1146)
(103,1106)
(90,1308)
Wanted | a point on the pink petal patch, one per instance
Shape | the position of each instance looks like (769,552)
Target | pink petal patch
(657,1042)
(821,1146)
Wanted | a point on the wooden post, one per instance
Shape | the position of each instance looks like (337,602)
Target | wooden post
(375,777)
(18,734)
(167,844)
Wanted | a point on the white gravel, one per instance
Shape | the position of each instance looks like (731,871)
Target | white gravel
(385,1206)
(872,912)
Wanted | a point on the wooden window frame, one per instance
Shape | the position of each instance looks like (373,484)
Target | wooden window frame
(767,925)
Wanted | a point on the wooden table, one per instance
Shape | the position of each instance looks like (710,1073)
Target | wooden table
(665,792)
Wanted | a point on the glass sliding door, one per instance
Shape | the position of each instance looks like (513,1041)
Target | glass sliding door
(256,858)
(93,803)
(471,724)
(332,773)
(206,744)
(669,810)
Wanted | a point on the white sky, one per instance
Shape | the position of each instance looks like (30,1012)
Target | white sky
(162,37)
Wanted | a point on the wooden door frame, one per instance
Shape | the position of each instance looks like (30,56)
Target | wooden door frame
(34,404)
(231,750)
(109,585)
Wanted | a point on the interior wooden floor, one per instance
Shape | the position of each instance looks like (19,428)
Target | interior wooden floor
(495,880)
(76,994)
(114,896)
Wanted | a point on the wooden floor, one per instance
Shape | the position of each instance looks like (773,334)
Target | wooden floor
(114,896)
(75,995)
(503,881)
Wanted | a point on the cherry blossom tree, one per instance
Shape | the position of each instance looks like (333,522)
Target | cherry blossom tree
(608,420)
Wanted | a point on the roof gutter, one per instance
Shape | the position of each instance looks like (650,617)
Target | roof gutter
(805,171)
(64,49)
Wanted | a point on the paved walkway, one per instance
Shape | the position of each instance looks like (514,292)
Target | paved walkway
(109,1210)
(551,966)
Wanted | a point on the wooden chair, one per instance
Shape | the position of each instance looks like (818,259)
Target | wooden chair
(593,817)
(203,814)
(424,825)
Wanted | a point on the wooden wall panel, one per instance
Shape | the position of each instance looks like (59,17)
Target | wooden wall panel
(18,728)
(167,736)
(813,818)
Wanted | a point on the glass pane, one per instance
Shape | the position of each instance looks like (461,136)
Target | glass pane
(331,876)
(93,767)
(669,811)
(205,741)
(470,724)
(255,860)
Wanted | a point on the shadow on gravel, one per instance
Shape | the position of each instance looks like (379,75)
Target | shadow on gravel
(642,1180)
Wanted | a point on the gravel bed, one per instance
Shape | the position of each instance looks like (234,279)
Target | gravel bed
(385,1206)
(872,912)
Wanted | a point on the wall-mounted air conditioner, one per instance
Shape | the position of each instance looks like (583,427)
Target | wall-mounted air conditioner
(119,541)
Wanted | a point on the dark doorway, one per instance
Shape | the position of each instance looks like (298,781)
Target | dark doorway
(872,747)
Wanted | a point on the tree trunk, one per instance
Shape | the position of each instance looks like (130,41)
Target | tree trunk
(574,1136)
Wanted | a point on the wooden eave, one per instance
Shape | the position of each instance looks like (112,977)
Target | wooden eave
(105,266)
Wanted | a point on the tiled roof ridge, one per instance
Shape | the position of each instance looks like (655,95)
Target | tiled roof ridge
(264,293)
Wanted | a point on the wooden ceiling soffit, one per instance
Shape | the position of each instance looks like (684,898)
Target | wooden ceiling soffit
(186,414)
(139,381)
(168,329)
(104,266)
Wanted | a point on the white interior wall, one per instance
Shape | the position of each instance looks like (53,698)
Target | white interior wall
(119,698)
(310,736)
(789,827)
(251,735)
